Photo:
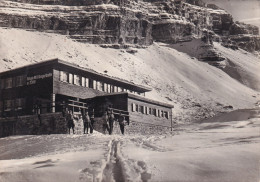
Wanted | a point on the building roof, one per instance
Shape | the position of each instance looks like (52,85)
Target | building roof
(137,97)
(141,88)
(150,100)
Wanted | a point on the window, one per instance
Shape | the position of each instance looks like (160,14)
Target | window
(76,79)
(146,110)
(20,80)
(71,78)
(166,114)
(19,103)
(162,114)
(8,105)
(133,107)
(13,82)
(119,89)
(150,111)
(159,113)
(102,85)
(83,81)
(112,88)
(61,75)
(115,89)
(105,87)
(8,83)
(64,76)
(87,82)
(108,88)
(98,85)
(91,83)
(94,84)
(2,83)
(142,109)
(137,108)
(155,112)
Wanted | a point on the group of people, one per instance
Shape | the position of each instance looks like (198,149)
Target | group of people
(88,121)
(108,120)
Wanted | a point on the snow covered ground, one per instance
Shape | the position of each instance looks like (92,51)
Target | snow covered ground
(207,151)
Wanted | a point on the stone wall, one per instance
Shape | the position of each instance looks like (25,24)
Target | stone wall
(146,129)
(33,125)
(54,123)
(134,128)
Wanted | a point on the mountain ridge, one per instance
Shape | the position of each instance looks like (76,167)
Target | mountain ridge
(129,22)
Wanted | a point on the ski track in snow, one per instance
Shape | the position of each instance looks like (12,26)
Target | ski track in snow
(119,168)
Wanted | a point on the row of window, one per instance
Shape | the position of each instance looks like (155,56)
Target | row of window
(13,82)
(90,83)
(16,104)
(150,111)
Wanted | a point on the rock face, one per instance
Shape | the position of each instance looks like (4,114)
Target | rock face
(99,24)
(241,28)
(122,22)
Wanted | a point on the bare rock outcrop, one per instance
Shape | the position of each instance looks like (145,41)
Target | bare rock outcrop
(121,22)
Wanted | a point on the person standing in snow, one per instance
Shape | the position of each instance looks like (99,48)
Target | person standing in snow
(92,121)
(105,122)
(111,118)
(86,120)
(122,123)
(70,121)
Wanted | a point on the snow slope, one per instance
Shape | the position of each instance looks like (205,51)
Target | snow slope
(174,76)
(239,64)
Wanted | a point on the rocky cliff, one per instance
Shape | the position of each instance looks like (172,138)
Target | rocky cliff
(138,22)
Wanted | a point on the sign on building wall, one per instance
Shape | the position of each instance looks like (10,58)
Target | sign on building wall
(33,79)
